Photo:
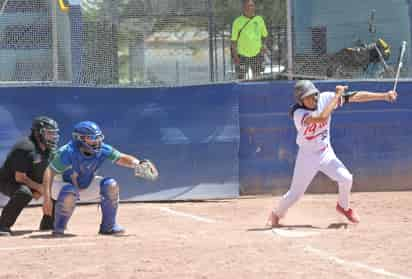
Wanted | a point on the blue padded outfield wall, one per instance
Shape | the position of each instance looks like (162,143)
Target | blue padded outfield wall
(191,133)
(220,140)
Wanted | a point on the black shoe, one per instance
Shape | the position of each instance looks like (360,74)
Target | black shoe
(58,234)
(116,230)
(46,223)
(5,231)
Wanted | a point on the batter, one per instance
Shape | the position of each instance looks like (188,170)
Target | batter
(312,117)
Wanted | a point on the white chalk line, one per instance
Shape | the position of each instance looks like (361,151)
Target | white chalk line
(191,216)
(296,234)
(358,265)
(47,246)
(293,233)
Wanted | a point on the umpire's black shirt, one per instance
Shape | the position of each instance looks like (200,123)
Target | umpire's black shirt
(27,157)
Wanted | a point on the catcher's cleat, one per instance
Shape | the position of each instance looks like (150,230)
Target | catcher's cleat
(5,231)
(349,214)
(116,230)
(273,220)
(58,234)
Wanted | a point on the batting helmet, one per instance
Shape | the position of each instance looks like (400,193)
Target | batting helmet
(304,88)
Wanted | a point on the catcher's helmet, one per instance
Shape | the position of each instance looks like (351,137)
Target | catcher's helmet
(87,135)
(304,88)
(46,131)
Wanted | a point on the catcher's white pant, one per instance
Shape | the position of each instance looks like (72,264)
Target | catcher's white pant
(90,194)
(306,166)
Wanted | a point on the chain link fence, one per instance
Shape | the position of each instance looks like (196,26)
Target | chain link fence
(180,42)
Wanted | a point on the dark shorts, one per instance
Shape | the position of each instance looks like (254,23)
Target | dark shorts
(255,63)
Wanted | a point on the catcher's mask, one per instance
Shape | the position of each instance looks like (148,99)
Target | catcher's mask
(305,88)
(88,137)
(46,131)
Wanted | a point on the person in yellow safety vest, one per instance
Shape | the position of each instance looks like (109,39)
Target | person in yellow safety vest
(248,41)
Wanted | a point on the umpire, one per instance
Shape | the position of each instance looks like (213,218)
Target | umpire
(21,176)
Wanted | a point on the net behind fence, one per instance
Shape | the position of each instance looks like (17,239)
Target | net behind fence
(350,40)
(179,42)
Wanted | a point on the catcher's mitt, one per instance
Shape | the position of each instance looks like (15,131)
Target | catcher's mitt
(146,170)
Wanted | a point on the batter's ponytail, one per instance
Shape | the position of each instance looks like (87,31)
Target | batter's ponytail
(293,108)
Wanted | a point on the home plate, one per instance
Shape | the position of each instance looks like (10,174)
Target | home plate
(293,233)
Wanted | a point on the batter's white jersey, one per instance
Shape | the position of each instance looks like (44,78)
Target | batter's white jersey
(316,136)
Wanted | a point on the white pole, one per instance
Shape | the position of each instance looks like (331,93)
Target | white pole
(55,57)
(290,38)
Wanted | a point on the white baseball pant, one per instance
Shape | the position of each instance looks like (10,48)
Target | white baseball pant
(306,167)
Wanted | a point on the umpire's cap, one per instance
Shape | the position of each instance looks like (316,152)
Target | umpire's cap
(304,88)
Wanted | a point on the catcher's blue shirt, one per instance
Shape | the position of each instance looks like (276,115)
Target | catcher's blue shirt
(69,160)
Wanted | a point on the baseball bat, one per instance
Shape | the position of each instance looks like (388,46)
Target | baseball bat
(400,64)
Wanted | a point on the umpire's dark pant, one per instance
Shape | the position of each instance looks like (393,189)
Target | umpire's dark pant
(20,196)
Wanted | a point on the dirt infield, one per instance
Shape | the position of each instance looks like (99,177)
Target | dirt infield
(221,239)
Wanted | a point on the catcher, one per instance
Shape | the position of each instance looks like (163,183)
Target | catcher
(77,162)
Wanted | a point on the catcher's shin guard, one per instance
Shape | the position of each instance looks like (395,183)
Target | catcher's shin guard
(109,194)
(65,205)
